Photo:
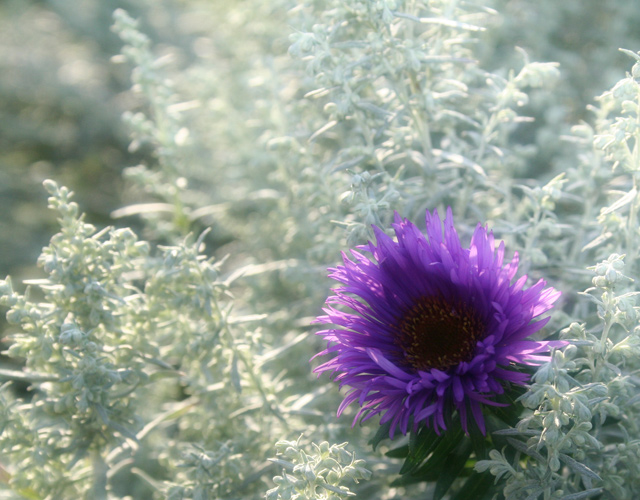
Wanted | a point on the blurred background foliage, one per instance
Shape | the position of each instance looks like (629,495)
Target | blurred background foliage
(62,97)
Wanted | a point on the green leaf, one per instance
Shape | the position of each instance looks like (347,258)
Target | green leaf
(578,467)
(479,442)
(425,441)
(383,433)
(452,467)
(29,494)
(430,470)
(510,414)
(399,452)
(527,450)
(478,487)
(582,494)
(421,443)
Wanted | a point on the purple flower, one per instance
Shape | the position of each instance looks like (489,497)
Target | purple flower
(433,328)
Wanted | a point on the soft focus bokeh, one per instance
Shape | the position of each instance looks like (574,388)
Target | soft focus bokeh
(63,95)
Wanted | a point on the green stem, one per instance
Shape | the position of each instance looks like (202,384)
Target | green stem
(632,224)
(532,234)
(100,468)
(603,345)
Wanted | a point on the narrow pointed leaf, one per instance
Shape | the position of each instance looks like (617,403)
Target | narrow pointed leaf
(383,433)
(479,486)
(452,467)
(582,494)
(400,452)
(578,467)
(430,470)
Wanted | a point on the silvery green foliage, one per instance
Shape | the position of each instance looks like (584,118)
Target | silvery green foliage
(581,437)
(159,126)
(408,109)
(316,475)
(120,345)
(80,354)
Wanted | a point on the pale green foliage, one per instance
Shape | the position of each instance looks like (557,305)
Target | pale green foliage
(316,475)
(81,354)
(119,334)
(403,96)
(161,127)
(581,436)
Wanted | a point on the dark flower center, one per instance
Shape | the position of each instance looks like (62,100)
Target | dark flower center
(437,333)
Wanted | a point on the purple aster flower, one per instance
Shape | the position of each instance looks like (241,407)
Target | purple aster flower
(433,326)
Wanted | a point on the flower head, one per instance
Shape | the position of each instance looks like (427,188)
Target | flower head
(433,326)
